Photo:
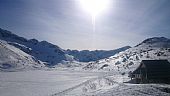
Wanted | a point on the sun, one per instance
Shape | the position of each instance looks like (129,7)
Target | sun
(94,7)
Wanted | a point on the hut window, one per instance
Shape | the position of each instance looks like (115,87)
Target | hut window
(138,76)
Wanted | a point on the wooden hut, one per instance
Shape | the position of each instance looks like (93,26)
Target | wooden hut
(152,71)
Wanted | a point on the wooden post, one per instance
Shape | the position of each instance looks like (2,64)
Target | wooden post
(146,75)
(141,81)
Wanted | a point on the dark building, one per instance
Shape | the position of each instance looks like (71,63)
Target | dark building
(152,71)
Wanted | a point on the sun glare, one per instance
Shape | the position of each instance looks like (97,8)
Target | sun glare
(94,7)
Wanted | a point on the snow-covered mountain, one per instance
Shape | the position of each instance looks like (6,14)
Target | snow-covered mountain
(44,51)
(53,54)
(87,56)
(159,42)
(128,60)
(123,59)
(12,58)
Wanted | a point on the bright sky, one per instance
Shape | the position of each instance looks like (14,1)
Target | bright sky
(67,24)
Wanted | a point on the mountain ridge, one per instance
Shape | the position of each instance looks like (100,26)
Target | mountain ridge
(85,55)
(50,53)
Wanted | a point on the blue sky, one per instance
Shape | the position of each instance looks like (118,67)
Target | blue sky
(66,24)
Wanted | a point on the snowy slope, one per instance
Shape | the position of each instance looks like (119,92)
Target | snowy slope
(123,62)
(12,58)
(44,51)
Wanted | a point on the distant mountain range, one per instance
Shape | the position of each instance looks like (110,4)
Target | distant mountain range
(87,56)
(52,54)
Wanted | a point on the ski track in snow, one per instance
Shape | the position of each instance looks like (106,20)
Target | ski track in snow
(64,92)
(72,88)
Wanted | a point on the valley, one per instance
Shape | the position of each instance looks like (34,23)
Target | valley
(39,68)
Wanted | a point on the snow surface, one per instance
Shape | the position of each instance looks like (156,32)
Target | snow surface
(74,83)
(41,83)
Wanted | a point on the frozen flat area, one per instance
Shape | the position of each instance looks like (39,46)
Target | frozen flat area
(73,83)
(41,83)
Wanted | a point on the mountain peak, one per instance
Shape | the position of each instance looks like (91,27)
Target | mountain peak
(9,36)
(155,42)
(156,39)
